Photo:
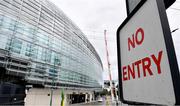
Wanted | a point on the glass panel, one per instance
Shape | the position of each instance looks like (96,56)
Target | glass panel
(16,46)
(28,50)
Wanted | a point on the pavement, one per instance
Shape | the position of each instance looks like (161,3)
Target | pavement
(104,102)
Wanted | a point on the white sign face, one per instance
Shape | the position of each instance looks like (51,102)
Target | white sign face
(146,74)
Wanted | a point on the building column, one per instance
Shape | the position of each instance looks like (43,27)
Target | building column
(86,98)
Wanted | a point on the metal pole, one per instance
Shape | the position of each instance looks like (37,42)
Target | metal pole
(51,96)
(52,83)
(107,54)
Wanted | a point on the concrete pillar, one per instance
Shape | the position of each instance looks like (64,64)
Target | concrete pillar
(90,97)
(93,96)
(41,97)
(37,97)
(86,98)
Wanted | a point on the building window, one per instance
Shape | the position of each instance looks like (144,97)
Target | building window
(28,50)
(16,46)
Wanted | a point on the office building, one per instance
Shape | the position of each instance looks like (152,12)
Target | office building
(42,47)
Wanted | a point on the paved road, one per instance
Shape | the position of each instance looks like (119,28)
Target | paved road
(100,104)
(103,103)
(95,104)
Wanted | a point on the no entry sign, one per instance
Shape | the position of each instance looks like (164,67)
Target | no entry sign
(148,70)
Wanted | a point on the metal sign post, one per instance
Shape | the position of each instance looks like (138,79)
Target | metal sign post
(148,69)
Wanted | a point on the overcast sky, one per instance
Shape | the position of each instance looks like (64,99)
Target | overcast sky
(94,16)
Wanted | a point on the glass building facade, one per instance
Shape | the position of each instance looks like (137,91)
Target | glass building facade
(42,45)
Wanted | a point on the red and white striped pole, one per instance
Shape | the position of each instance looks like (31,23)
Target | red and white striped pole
(109,70)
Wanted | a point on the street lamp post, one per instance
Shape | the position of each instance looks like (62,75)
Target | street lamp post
(55,60)
(51,96)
